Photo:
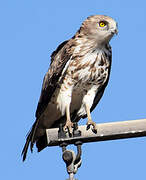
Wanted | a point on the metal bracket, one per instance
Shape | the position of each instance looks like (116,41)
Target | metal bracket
(73,161)
(61,132)
(76,131)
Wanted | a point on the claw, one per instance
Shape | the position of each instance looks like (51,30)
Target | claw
(69,127)
(88,126)
(93,124)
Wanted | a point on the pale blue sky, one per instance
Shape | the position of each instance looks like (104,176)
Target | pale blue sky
(29,31)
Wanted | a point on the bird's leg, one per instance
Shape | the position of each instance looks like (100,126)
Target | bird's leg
(90,122)
(69,125)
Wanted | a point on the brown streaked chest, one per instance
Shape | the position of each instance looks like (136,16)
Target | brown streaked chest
(92,68)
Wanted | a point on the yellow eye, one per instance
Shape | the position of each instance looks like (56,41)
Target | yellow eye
(102,24)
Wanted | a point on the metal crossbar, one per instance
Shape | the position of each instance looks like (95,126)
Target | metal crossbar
(105,131)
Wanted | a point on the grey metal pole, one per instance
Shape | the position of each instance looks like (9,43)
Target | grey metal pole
(71,176)
(73,161)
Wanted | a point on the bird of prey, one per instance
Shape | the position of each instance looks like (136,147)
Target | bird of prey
(76,80)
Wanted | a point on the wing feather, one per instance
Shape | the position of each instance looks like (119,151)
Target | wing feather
(59,59)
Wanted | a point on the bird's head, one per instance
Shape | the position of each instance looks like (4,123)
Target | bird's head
(99,28)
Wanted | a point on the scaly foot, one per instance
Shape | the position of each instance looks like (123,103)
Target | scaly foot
(90,122)
(69,125)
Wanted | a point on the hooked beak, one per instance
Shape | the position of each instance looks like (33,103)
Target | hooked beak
(114,31)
